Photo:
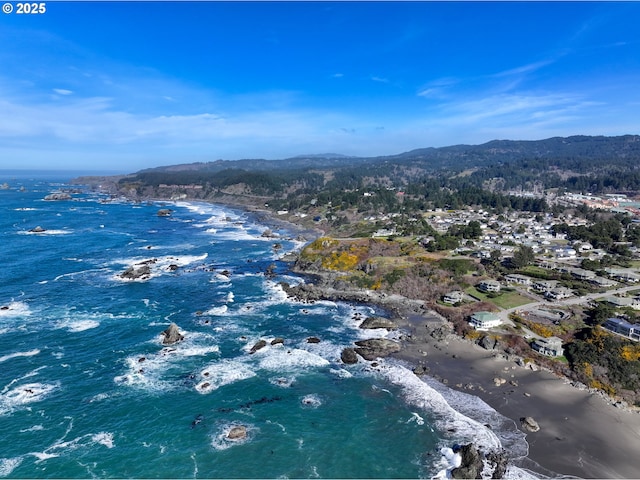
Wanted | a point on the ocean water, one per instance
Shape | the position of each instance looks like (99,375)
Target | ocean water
(87,389)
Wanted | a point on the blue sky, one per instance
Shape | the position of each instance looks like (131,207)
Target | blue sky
(128,85)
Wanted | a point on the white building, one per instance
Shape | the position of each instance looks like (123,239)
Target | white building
(484,320)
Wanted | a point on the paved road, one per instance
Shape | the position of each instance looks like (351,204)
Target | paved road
(504,314)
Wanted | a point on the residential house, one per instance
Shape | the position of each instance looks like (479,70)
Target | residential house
(622,327)
(558,293)
(489,286)
(551,346)
(453,297)
(484,320)
(519,279)
(543,286)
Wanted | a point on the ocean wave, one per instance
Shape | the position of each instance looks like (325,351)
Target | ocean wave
(29,353)
(221,373)
(15,309)
(24,395)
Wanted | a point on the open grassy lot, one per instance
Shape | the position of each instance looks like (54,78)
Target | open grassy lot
(504,300)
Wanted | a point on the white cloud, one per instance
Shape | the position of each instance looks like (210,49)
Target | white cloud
(62,91)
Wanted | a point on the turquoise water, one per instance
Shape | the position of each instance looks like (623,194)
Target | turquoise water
(88,390)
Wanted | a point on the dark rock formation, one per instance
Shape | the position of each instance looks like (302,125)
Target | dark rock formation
(165,212)
(258,345)
(57,197)
(313,340)
(37,229)
(499,462)
(529,424)
(277,341)
(379,322)
(349,356)
(142,272)
(172,335)
(488,343)
(471,465)
(376,347)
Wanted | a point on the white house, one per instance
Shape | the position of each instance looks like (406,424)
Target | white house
(453,297)
(551,346)
(484,320)
(519,279)
(489,286)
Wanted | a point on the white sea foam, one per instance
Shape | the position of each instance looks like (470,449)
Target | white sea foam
(341,373)
(222,373)
(25,394)
(35,428)
(75,326)
(311,401)
(217,311)
(29,353)
(286,359)
(46,232)
(15,309)
(8,465)
(61,447)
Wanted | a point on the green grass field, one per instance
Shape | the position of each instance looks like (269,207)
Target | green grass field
(504,300)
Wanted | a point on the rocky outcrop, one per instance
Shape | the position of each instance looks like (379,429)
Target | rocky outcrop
(529,424)
(57,196)
(349,356)
(258,345)
(313,340)
(164,212)
(378,322)
(37,229)
(137,272)
(172,335)
(277,341)
(488,342)
(471,465)
(239,432)
(376,347)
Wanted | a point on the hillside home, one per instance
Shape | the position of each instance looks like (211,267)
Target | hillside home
(518,279)
(624,302)
(453,297)
(558,293)
(622,327)
(489,286)
(552,346)
(544,286)
(484,320)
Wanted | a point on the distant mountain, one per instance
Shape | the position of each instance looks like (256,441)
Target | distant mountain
(625,149)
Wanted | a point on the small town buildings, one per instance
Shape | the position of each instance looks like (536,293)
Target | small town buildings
(582,274)
(544,286)
(623,275)
(622,327)
(603,282)
(623,302)
(558,293)
(453,297)
(518,279)
(489,286)
(551,346)
(484,320)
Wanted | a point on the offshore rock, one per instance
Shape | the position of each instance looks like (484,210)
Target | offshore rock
(37,229)
(165,212)
(376,347)
(172,335)
(238,432)
(57,196)
(142,272)
(349,356)
(378,322)
(258,345)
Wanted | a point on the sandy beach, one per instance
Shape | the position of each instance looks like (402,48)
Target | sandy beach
(581,434)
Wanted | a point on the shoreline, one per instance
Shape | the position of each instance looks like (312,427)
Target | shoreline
(581,434)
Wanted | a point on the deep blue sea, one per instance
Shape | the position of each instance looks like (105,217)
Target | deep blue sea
(87,389)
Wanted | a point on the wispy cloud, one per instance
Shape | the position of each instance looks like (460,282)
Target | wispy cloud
(62,91)
(380,79)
